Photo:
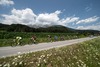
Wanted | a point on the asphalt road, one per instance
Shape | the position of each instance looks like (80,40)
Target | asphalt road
(10,51)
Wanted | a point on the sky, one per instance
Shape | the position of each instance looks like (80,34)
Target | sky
(76,14)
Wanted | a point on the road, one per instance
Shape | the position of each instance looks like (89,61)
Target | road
(10,51)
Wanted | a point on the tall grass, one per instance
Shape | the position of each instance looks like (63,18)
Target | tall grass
(86,54)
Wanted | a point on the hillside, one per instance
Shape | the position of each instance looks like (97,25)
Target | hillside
(24,28)
(55,28)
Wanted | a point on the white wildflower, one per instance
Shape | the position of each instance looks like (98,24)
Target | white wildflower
(55,54)
(20,62)
(0,65)
(72,63)
(19,56)
(31,62)
(87,58)
(7,65)
(84,65)
(75,57)
(99,63)
(15,58)
(45,61)
(39,58)
(24,63)
(38,64)
(77,62)
(79,65)
(96,58)
(42,56)
(13,62)
(48,55)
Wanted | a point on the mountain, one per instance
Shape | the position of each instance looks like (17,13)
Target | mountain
(3,27)
(54,29)
(15,28)
(24,28)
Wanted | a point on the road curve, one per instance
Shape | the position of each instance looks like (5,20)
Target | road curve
(10,51)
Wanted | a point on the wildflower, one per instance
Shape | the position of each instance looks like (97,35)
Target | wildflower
(48,55)
(79,65)
(19,56)
(80,60)
(31,62)
(0,65)
(15,58)
(45,61)
(42,56)
(72,63)
(78,50)
(75,57)
(99,63)
(24,63)
(84,65)
(20,63)
(13,62)
(77,62)
(55,54)
(39,60)
(38,64)
(96,58)
(86,57)
(69,58)
(7,65)
(51,61)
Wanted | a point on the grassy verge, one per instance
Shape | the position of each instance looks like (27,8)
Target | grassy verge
(7,38)
(86,54)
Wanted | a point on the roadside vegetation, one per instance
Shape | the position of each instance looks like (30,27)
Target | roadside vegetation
(7,38)
(86,54)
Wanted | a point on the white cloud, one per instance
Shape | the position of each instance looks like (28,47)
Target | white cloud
(19,17)
(88,20)
(69,20)
(6,2)
(28,17)
(92,27)
(48,18)
(88,9)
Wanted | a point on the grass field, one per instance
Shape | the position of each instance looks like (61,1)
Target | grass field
(7,38)
(86,54)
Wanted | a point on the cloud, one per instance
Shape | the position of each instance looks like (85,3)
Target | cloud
(88,20)
(28,17)
(6,2)
(48,18)
(88,9)
(92,27)
(24,16)
(69,20)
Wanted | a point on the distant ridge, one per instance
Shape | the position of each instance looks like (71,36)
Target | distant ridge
(54,28)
